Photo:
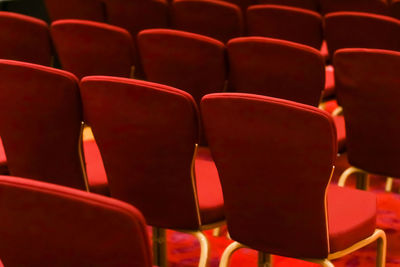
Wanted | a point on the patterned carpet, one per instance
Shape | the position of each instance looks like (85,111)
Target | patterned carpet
(183,250)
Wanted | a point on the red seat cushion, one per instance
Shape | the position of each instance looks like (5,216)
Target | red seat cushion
(329,82)
(96,173)
(341,132)
(208,188)
(351,216)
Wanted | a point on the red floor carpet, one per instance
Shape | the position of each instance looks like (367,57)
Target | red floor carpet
(183,250)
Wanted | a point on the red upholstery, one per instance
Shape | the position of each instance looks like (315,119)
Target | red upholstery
(46,224)
(75,9)
(341,132)
(361,30)
(306,4)
(395,8)
(369,6)
(24,38)
(286,23)
(188,61)
(88,48)
(276,68)
(274,158)
(146,133)
(368,89)
(351,216)
(3,160)
(40,122)
(242,4)
(329,81)
(216,19)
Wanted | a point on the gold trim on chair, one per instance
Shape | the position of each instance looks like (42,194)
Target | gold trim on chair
(81,157)
(362,182)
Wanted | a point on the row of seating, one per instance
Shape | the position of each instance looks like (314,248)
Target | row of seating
(129,13)
(147,135)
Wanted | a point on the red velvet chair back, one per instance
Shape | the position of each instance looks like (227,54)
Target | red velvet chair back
(40,121)
(75,9)
(44,224)
(188,61)
(24,38)
(276,68)
(217,19)
(286,23)
(369,6)
(91,48)
(146,134)
(368,87)
(274,158)
(242,4)
(306,4)
(395,9)
(361,30)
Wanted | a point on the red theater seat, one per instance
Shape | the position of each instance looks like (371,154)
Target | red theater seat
(395,8)
(368,88)
(24,38)
(146,134)
(286,23)
(361,30)
(40,123)
(275,159)
(76,9)
(93,48)
(216,19)
(369,6)
(306,4)
(46,224)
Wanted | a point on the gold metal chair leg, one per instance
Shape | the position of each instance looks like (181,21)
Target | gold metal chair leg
(264,259)
(381,249)
(362,181)
(226,256)
(204,247)
(160,247)
(389,184)
(322,262)
(216,231)
(347,173)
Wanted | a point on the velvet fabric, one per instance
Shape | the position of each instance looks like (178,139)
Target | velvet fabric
(242,4)
(45,224)
(369,6)
(276,68)
(76,9)
(274,158)
(146,133)
(286,23)
(3,160)
(361,30)
(368,87)
(93,48)
(395,8)
(305,4)
(24,38)
(216,19)
(40,120)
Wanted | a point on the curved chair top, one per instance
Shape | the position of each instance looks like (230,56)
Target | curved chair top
(275,159)
(368,87)
(217,19)
(305,4)
(24,38)
(40,122)
(361,30)
(76,9)
(63,226)
(286,23)
(146,133)
(276,68)
(369,6)
(93,48)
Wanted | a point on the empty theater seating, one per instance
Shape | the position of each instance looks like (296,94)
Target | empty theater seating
(370,6)
(76,9)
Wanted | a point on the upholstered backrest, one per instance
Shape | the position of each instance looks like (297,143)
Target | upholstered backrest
(286,23)
(137,15)
(242,4)
(146,134)
(276,68)
(24,38)
(40,121)
(395,8)
(217,19)
(93,48)
(188,61)
(369,6)
(361,30)
(46,224)
(75,9)
(306,4)
(368,88)
(274,158)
